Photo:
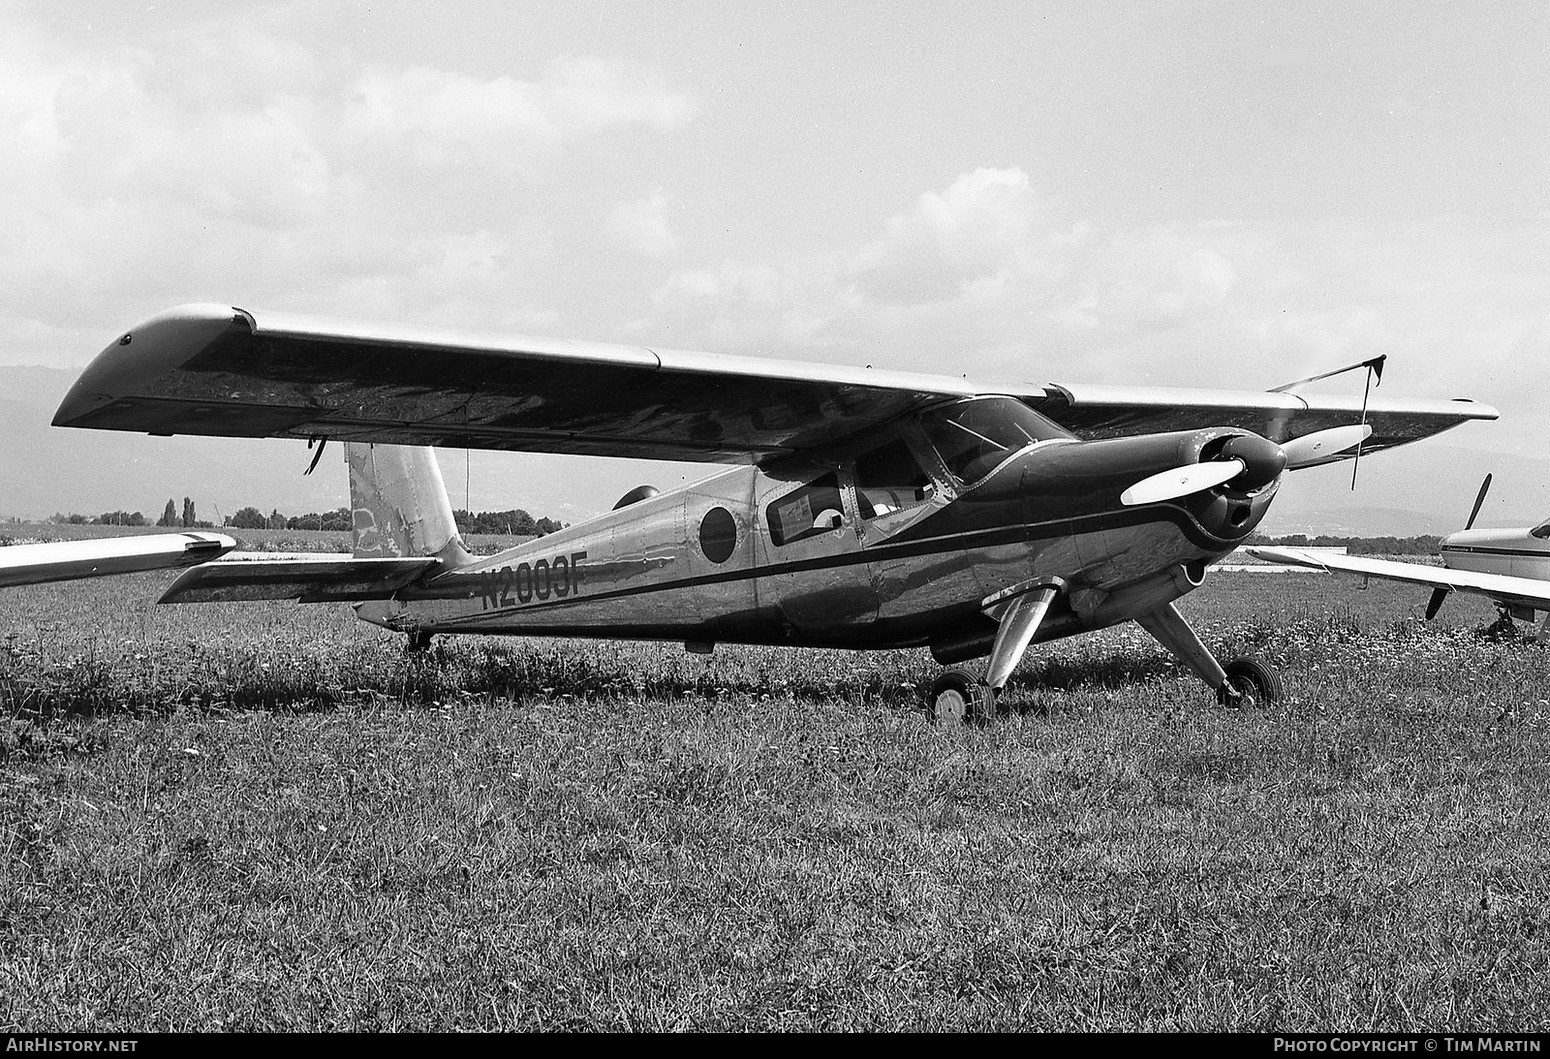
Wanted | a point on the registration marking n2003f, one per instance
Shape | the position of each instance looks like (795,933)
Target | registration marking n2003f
(540,580)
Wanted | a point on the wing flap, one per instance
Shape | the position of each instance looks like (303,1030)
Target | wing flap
(1528,591)
(308,578)
(28,564)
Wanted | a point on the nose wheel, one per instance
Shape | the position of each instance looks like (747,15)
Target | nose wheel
(958,697)
(1256,683)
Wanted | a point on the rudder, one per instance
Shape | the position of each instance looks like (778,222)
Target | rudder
(399,505)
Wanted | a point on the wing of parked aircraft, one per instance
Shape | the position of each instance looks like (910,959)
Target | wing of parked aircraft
(1524,591)
(28,564)
(220,370)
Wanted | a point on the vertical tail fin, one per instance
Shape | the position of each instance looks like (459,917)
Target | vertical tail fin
(399,504)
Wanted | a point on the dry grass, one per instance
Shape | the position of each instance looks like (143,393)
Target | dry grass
(267,817)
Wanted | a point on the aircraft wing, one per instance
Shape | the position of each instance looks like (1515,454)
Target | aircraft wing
(323,578)
(1528,591)
(220,370)
(1115,411)
(28,564)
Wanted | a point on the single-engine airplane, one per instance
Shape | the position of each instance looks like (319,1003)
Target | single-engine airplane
(30,564)
(1511,567)
(872,509)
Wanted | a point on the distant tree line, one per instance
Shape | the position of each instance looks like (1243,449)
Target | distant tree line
(516,522)
(107,518)
(169,517)
(1423,545)
(253,518)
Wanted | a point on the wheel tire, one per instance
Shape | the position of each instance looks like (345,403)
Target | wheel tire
(959,697)
(1256,680)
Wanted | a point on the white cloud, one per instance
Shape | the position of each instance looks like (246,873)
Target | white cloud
(254,166)
(641,226)
(989,227)
(437,118)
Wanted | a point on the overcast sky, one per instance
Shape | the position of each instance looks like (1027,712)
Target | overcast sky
(1210,194)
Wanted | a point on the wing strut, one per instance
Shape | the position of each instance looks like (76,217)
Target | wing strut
(1374,370)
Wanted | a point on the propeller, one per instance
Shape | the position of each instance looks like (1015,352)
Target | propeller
(1321,444)
(1181,481)
(1485,487)
(1434,604)
(1243,451)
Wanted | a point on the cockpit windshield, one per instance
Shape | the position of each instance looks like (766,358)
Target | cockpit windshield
(974,436)
(1542,531)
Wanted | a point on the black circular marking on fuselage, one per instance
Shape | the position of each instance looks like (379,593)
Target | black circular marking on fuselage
(718,534)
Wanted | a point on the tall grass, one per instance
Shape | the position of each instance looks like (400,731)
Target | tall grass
(270,817)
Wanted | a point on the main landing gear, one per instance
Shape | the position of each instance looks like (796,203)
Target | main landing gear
(959,697)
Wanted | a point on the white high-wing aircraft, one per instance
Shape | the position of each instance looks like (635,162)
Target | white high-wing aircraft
(30,564)
(871,509)
(1509,566)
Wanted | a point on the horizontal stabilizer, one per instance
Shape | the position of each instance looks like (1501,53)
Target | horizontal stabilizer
(28,564)
(325,578)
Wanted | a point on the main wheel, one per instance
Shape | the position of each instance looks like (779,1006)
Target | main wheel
(959,697)
(1255,680)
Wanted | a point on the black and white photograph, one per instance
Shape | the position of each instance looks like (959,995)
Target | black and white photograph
(655,515)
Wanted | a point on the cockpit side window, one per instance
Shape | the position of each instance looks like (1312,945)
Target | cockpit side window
(889,479)
(813,509)
(973,437)
(1542,531)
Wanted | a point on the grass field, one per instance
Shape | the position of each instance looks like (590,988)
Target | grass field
(268,817)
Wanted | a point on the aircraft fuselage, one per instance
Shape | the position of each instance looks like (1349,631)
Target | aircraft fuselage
(890,540)
(1514,552)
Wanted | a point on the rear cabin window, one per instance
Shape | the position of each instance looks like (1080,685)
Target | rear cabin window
(974,437)
(813,509)
(889,479)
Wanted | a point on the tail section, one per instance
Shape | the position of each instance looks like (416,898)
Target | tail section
(399,504)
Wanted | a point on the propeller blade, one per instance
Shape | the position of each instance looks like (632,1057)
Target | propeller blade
(1479,499)
(1181,481)
(1322,444)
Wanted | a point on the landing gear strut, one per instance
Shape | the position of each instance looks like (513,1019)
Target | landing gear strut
(957,696)
(1246,681)
(419,640)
